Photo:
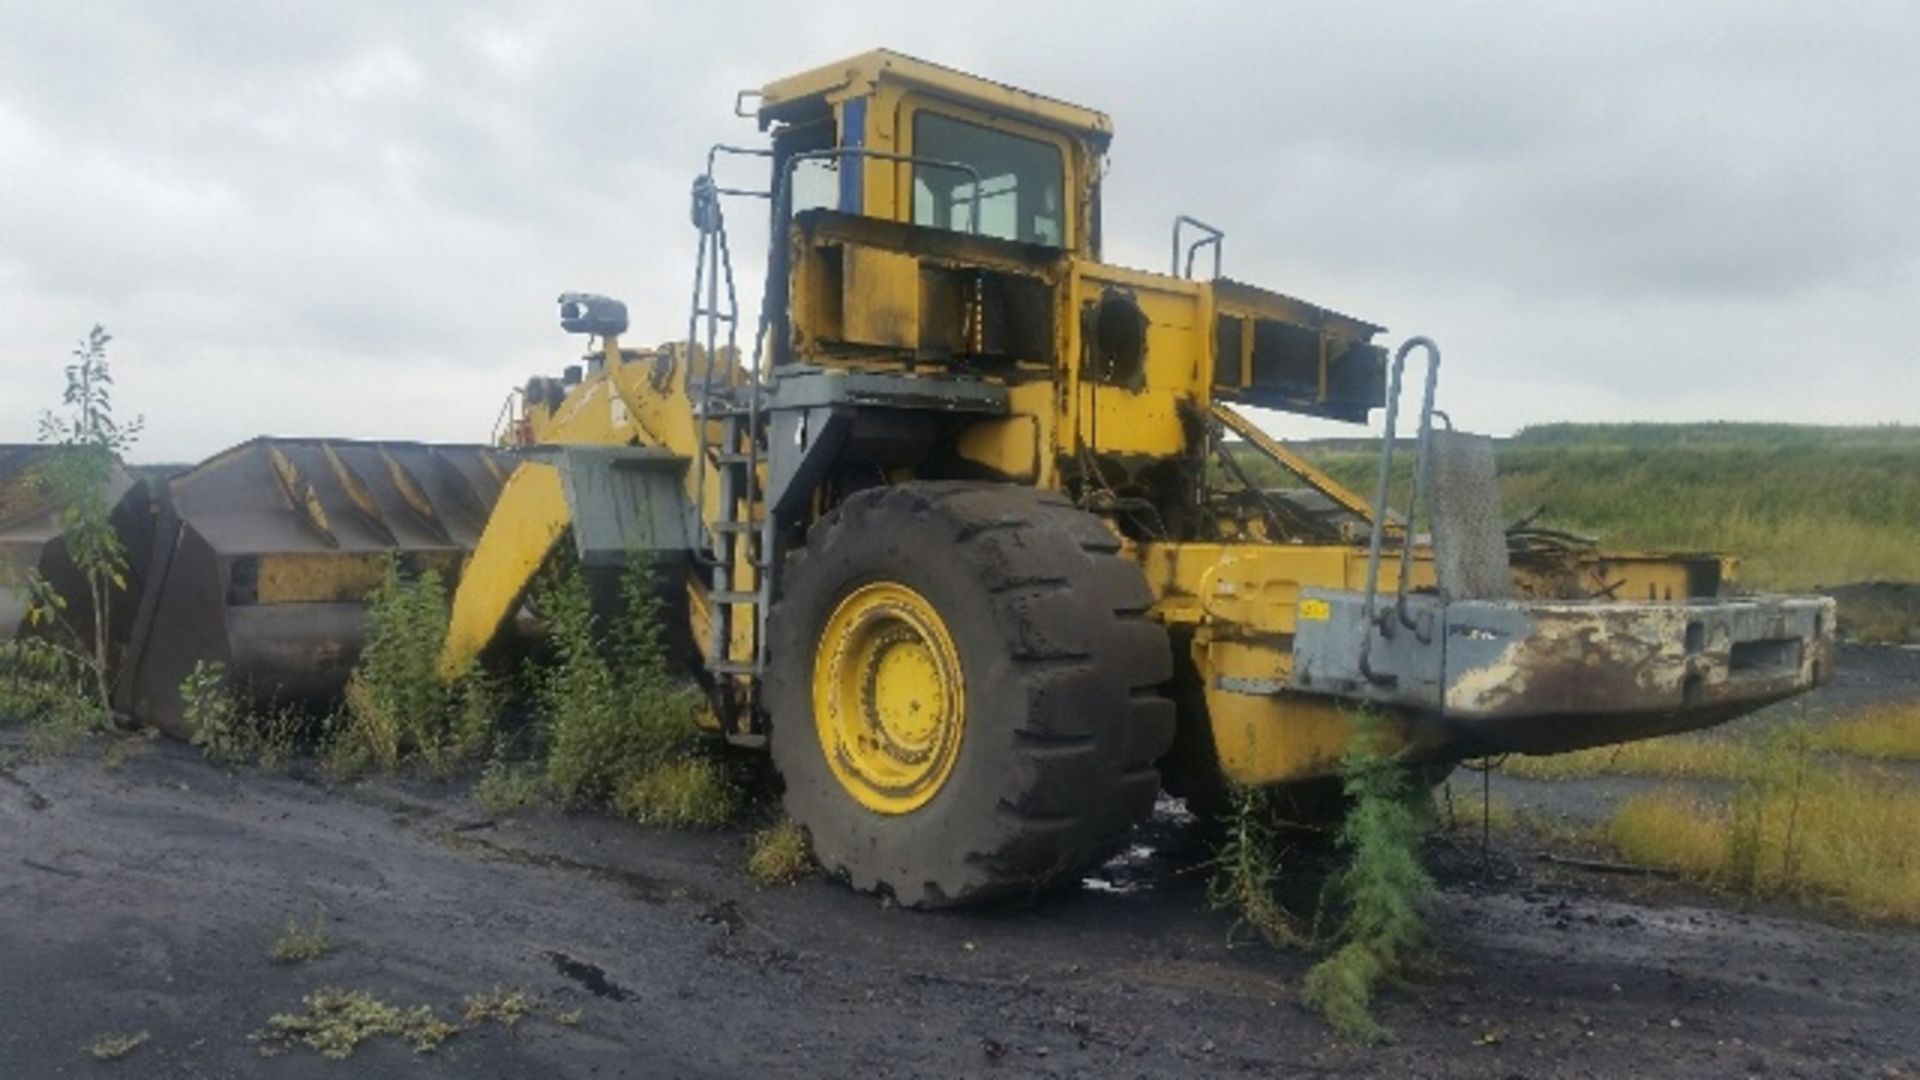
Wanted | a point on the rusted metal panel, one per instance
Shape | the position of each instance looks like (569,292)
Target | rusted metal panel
(1535,676)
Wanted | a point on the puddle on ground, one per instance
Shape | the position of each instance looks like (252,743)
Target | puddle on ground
(591,976)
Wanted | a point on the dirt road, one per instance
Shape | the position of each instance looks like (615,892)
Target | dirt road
(146,898)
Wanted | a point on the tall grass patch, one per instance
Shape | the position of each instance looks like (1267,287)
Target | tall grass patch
(1846,836)
(617,725)
(1673,757)
(1882,733)
(45,689)
(397,705)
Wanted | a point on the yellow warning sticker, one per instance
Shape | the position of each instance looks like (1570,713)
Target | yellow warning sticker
(1315,610)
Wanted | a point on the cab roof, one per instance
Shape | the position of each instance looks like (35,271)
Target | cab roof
(811,93)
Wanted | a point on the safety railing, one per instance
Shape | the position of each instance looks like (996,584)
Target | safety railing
(1376,536)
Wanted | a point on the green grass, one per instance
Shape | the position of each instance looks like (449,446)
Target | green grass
(397,704)
(1673,757)
(1246,870)
(1889,732)
(779,854)
(497,1006)
(1808,811)
(687,792)
(1382,888)
(335,1022)
(301,942)
(113,1047)
(1882,733)
(1801,506)
(1838,836)
(506,787)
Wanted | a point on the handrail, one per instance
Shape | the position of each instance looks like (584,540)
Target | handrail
(1214,238)
(1376,536)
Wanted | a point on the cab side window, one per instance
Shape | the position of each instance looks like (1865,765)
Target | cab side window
(1019,192)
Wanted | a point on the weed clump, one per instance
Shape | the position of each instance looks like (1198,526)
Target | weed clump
(220,727)
(397,705)
(498,1006)
(335,1023)
(689,791)
(618,726)
(506,787)
(1246,867)
(45,688)
(231,734)
(115,1047)
(779,854)
(300,943)
(1383,886)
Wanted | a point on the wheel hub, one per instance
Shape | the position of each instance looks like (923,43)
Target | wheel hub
(888,698)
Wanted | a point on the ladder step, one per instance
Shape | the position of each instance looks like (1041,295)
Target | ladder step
(730,457)
(734,596)
(735,526)
(732,667)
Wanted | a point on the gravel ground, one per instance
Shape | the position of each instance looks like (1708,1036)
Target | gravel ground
(146,897)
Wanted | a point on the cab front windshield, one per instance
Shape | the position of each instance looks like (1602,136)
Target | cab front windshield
(1019,188)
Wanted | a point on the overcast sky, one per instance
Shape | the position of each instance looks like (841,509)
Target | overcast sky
(352,219)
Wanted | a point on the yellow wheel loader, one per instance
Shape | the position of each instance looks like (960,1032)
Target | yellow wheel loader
(967,527)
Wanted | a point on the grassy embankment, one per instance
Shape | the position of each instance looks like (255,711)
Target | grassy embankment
(1801,506)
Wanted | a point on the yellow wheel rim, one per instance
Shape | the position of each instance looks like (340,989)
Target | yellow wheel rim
(889,702)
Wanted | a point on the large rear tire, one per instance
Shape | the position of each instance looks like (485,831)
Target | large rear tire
(964,691)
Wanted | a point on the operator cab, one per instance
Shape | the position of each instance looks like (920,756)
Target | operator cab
(889,136)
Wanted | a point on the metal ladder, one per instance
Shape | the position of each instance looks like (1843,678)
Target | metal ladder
(739,405)
(736,548)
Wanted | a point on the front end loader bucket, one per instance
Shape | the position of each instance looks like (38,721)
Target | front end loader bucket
(263,557)
(30,535)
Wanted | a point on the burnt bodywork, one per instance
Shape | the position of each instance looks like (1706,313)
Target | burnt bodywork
(1545,676)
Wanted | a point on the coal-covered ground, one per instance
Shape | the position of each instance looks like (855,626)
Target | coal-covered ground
(145,897)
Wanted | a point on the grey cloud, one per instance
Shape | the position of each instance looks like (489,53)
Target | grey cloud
(354,217)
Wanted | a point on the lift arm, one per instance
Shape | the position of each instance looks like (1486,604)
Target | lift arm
(525,525)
